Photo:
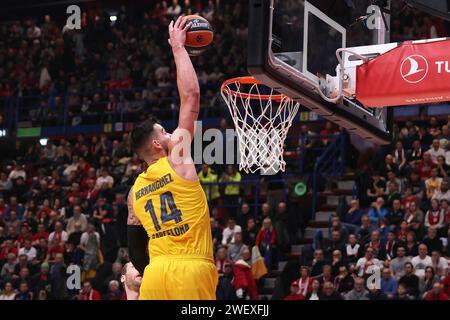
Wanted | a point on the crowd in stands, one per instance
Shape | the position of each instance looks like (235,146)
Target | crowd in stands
(104,69)
(392,240)
(64,203)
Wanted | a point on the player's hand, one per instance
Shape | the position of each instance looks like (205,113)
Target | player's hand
(177,32)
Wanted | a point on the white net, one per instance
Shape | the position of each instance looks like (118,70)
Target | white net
(262,119)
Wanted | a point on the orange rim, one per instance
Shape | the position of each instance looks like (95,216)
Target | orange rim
(249,80)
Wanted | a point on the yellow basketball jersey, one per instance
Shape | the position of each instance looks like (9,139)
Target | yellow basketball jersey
(173,211)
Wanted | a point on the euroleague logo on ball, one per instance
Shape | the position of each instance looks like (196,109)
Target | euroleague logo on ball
(414,68)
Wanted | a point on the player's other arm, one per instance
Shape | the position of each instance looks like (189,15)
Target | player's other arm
(137,238)
(187,82)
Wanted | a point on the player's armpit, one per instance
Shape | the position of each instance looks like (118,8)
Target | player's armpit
(132,218)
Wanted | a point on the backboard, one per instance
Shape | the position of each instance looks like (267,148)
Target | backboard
(292,48)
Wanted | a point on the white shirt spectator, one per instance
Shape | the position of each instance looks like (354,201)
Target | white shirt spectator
(31,253)
(70,168)
(4,296)
(174,10)
(420,265)
(436,153)
(229,233)
(33,32)
(441,268)
(17,172)
(81,219)
(352,251)
(439,195)
(101,180)
(63,235)
(85,237)
(162,72)
(361,265)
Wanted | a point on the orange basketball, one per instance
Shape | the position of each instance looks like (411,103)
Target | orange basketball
(199,36)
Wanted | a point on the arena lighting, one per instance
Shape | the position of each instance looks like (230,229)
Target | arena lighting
(43,141)
(113,18)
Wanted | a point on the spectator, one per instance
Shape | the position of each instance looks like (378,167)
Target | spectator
(397,264)
(114,292)
(243,281)
(421,261)
(439,264)
(8,292)
(236,249)
(41,281)
(436,293)
(225,289)
(174,9)
(222,260)
(432,242)
(388,283)
(88,293)
(358,292)
(77,217)
(443,193)
(410,280)
(28,250)
(329,293)
(377,211)
(354,214)
(294,292)
(24,292)
(402,293)
(266,241)
(316,291)
(365,262)
(243,214)
(352,248)
(281,226)
(208,178)
(376,294)
(317,263)
(230,231)
(90,244)
(436,151)
(305,282)
(427,282)
(9,267)
(344,281)
(105,180)
(59,235)
(250,232)
(58,278)
(433,183)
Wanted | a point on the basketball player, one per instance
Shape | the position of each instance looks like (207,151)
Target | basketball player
(167,203)
(131,280)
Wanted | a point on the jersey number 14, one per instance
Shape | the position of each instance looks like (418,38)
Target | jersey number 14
(169,210)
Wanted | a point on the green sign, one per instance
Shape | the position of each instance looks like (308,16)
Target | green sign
(28,132)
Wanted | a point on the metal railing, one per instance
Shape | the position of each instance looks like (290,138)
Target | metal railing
(254,182)
(331,163)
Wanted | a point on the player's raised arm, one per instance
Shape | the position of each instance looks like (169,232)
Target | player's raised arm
(187,82)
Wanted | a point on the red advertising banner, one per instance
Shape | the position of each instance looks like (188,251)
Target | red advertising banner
(412,73)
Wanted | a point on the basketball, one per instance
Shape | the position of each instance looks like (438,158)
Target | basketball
(199,36)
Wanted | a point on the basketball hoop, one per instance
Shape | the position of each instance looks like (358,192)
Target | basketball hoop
(262,118)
